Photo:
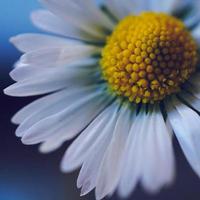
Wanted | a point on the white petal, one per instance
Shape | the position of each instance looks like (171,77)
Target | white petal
(47,21)
(77,152)
(56,103)
(24,72)
(33,42)
(59,56)
(133,156)
(196,33)
(149,153)
(38,105)
(69,122)
(162,6)
(94,12)
(88,175)
(55,141)
(158,166)
(165,6)
(186,125)
(119,8)
(52,144)
(49,81)
(72,14)
(110,169)
(170,6)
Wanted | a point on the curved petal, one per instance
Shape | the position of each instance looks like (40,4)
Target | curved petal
(40,104)
(51,144)
(185,123)
(132,159)
(158,154)
(148,153)
(47,21)
(90,8)
(49,81)
(110,168)
(196,32)
(75,154)
(55,141)
(59,55)
(56,103)
(78,151)
(120,9)
(166,6)
(33,41)
(68,122)
(72,14)
(87,179)
(24,72)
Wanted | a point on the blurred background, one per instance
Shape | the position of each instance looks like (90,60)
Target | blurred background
(25,174)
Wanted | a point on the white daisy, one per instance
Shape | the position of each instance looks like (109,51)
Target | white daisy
(123,96)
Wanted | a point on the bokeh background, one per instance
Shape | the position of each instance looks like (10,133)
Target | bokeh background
(25,174)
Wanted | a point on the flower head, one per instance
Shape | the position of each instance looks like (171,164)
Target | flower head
(123,78)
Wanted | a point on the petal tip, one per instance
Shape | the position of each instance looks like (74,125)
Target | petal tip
(12,39)
(7,91)
(14,120)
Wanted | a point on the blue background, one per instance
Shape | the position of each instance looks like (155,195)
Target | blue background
(25,174)
(14,19)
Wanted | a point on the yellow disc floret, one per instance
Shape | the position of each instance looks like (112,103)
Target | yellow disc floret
(148,57)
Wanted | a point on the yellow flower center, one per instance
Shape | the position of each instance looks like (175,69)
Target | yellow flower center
(148,57)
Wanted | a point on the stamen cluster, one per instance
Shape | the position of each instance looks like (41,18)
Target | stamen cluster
(148,57)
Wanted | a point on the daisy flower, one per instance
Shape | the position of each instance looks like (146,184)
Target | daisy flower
(123,79)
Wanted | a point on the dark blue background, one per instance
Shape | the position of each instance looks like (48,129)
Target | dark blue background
(25,174)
